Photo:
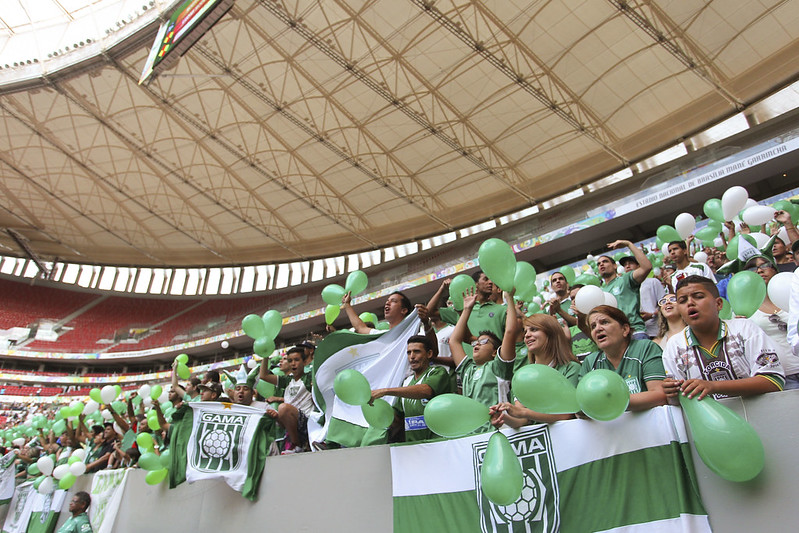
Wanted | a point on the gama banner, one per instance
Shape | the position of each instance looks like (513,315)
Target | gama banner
(212,440)
(108,487)
(19,512)
(7,473)
(632,474)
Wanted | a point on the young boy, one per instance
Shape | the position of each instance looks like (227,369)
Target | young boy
(297,404)
(418,388)
(486,375)
(717,357)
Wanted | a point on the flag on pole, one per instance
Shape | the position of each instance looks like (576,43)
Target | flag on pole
(212,440)
(45,509)
(633,474)
(381,358)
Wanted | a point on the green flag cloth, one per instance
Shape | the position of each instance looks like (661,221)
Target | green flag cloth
(212,440)
(45,509)
(633,474)
(7,472)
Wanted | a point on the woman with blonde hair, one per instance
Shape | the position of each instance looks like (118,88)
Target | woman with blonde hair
(547,344)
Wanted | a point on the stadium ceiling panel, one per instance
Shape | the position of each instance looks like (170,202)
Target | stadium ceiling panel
(300,129)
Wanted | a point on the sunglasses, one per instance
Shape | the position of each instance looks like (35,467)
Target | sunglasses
(479,342)
(775,319)
(764,266)
(667,299)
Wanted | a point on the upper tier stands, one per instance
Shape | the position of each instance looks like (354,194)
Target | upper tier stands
(108,323)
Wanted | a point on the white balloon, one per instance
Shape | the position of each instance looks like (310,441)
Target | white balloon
(732,201)
(665,249)
(144,391)
(700,257)
(91,407)
(80,453)
(611,300)
(779,290)
(164,396)
(46,486)
(108,394)
(147,401)
(590,257)
(620,269)
(251,363)
(538,300)
(783,236)
(19,441)
(225,345)
(77,469)
(60,471)
(589,297)
(656,271)
(760,238)
(758,214)
(107,414)
(45,465)
(749,203)
(718,241)
(685,224)
(118,429)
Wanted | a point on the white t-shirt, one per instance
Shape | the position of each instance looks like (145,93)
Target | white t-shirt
(776,329)
(693,269)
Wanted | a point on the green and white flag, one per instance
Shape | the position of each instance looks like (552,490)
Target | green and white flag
(108,486)
(212,440)
(45,509)
(20,510)
(7,473)
(633,474)
(381,358)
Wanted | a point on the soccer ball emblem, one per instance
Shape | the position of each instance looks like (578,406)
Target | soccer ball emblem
(216,444)
(527,504)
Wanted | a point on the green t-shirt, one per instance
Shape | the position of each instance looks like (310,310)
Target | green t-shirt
(488,316)
(521,356)
(628,297)
(76,524)
(571,371)
(641,362)
(413,410)
(582,344)
(448,315)
(489,384)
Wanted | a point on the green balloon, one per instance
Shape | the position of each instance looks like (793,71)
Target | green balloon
(726,310)
(118,406)
(332,294)
(667,233)
(67,481)
(153,423)
(746,292)
(184,358)
(532,308)
(331,313)
(265,388)
(73,460)
(524,280)
(253,327)
(453,415)
(263,346)
(380,415)
(352,387)
(38,481)
(94,394)
(587,279)
(155,477)
(150,461)
(383,325)
(712,210)
(273,322)
(145,441)
(155,392)
(165,458)
(498,262)
(460,284)
(369,318)
(568,273)
(33,470)
(708,233)
(732,246)
(183,371)
(544,389)
(59,427)
(356,282)
(603,395)
(501,476)
(118,390)
(790,207)
(725,442)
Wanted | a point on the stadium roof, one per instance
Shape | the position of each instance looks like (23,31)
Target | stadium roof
(298,129)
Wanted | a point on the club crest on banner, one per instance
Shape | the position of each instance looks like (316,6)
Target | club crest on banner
(537,509)
(217,448)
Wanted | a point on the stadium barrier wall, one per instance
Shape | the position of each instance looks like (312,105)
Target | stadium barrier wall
(350,490)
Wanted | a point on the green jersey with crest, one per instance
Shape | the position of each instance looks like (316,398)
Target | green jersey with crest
(640,363)
(489,384)
(437,378)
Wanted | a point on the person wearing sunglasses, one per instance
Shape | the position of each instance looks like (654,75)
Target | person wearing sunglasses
(669,320)
(774,321)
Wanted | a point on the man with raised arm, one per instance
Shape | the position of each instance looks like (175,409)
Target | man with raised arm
(625,287)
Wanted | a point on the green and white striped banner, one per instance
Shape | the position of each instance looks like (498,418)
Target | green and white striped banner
(633,474)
